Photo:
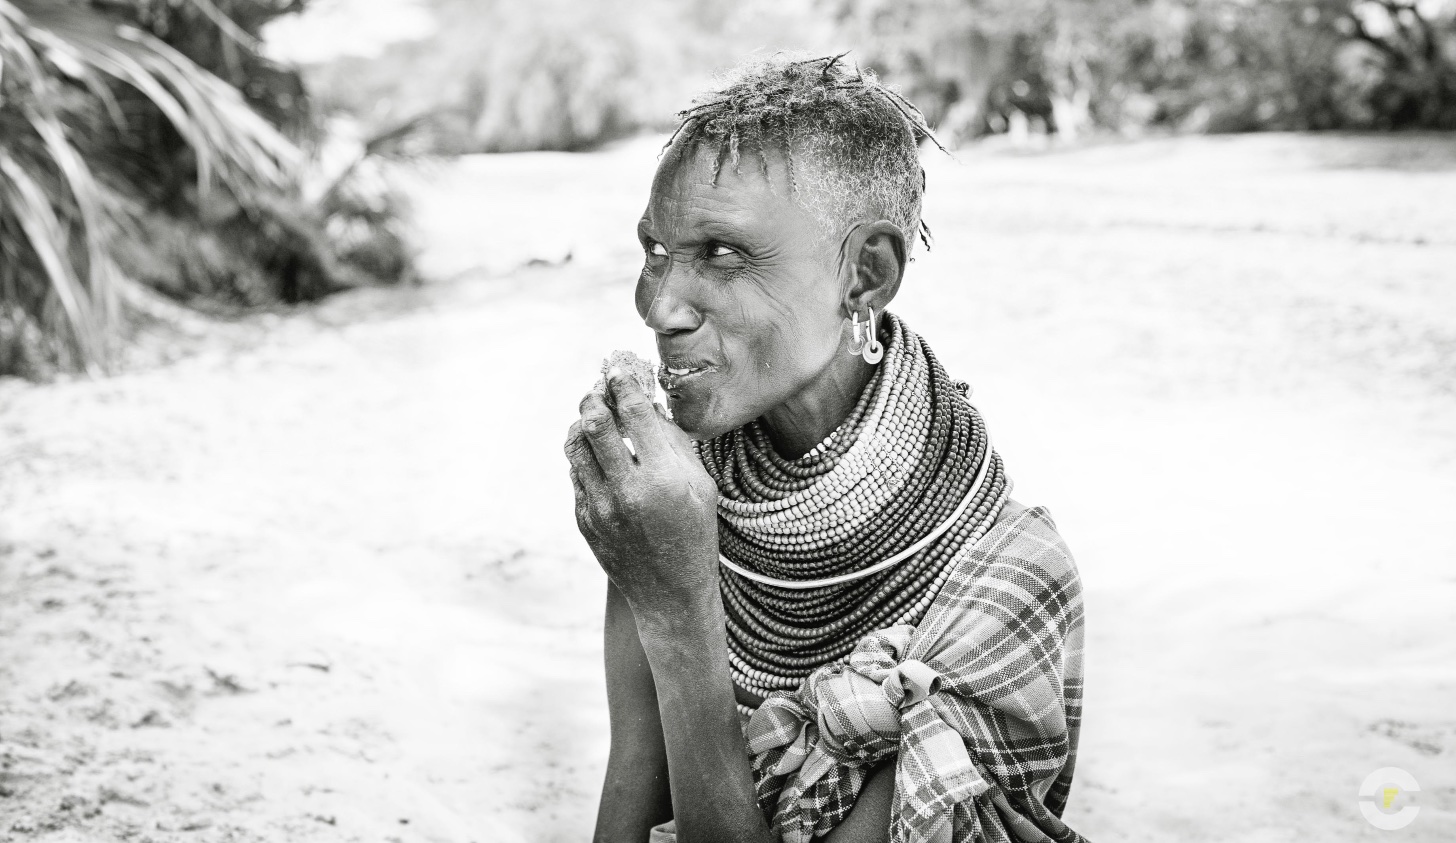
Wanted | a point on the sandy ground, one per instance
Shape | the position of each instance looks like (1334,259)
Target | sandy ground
(319,580)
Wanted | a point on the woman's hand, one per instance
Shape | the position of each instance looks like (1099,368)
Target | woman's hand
(651,520)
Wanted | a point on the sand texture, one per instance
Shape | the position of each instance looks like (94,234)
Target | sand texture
(318,579)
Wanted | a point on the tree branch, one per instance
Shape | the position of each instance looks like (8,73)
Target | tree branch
(1380,44)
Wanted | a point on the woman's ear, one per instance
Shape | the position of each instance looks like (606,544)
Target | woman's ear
(875,255)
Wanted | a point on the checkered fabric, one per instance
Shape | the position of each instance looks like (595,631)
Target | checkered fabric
(982,703)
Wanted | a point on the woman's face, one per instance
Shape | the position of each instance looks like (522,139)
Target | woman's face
(745,300)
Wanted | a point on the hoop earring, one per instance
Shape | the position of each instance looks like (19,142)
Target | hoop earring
(856,345)
(873,350)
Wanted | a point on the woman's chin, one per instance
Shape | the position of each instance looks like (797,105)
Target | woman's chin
(695,418)
(688,416)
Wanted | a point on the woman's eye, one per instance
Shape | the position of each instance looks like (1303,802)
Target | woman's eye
(657,250)
(721,251)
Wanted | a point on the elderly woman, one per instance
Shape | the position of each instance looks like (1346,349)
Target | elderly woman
(826,617)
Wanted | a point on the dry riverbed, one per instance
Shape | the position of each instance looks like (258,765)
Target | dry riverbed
(318,578)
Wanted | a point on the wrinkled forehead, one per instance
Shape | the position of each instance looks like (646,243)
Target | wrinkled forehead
(700,181)
(705,165)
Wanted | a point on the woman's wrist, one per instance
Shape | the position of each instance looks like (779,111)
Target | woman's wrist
(684,637)
(679,618)
(685,608)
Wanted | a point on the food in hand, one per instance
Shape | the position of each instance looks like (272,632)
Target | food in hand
(639,370)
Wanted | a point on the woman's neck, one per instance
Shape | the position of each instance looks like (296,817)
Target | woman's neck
(797,425)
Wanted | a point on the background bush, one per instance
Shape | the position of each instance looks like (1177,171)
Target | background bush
(146,146)
(567,74)
(502,76)
(1199,65)
(149,147)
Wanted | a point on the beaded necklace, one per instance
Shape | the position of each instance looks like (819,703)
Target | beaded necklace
(911,455)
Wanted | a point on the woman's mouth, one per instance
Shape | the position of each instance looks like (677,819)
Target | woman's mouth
(675,376)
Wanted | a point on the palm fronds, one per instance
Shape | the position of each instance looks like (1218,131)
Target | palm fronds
(64,68)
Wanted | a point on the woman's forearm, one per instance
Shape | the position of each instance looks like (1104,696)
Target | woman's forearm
(711,775)
(635,794)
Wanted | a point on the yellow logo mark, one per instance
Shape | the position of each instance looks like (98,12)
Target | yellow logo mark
(1379,791)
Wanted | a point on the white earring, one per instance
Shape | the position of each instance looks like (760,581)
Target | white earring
(873,350)
(856,345)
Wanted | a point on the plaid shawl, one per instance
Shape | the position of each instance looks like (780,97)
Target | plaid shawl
(982,701)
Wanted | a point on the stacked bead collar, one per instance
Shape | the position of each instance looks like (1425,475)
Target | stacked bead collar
(898,467)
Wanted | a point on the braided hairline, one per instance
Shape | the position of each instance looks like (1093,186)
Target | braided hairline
(856,140)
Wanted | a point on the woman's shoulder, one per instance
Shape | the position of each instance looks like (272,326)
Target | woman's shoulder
(1025,536)
(1020,571)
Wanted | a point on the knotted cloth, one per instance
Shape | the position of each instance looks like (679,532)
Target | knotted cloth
(981,700)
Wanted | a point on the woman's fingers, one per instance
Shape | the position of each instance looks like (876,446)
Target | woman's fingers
(637,415)
(601,433)
(586,475)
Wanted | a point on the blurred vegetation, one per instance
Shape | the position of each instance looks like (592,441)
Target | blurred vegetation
(501,76)
(1188,65)
(150,155)
(566,74)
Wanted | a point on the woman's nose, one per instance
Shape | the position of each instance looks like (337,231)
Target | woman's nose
(670,312)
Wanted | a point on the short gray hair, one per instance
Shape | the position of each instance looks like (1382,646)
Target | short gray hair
(851,142)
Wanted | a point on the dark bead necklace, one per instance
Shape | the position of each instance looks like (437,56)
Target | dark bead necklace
(911,454)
